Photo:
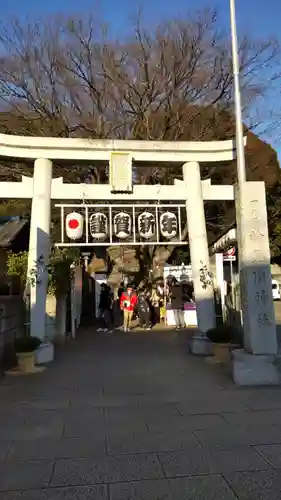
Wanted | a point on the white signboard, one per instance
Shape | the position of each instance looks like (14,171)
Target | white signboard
(229,255)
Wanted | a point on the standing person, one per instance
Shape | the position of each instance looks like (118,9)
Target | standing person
(144,310)
(128,303)
(161,295)
(177,304)
(105,306)
(155,302)
(116,308)
(111,305)
(121,289)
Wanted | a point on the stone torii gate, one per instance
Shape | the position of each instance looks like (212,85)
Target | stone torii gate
(120,154)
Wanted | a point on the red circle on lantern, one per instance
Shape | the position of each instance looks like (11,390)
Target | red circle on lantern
(73,224)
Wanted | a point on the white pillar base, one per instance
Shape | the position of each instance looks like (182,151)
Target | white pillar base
(44,354)
(200,346)
(255,369)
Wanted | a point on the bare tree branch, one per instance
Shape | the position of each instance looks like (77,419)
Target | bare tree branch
(65,77)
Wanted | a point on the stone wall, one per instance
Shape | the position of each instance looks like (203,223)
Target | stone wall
(11,326)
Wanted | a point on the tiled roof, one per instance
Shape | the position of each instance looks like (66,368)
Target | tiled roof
(9,231)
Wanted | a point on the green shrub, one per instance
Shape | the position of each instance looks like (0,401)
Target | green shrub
(59,268)
(221,334)
(27,344)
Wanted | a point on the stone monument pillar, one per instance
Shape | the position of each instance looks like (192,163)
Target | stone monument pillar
(199,252)
(257,364)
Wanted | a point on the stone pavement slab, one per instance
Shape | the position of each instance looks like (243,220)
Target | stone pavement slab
(25,475)
(106,469)
(239,436)
(14,416)
(135,417)
(216,403)
(40,449)
(256,485)
(82,428)
(49,402)
(151,442)
(79,401)
(262,398)
(187,423)
(271,453)
(199,488)
(27,432)
(253,418)
(4,448)
(72,493)
(142,412)
(184,463)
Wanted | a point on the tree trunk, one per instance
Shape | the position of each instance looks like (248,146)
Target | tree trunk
(124,262)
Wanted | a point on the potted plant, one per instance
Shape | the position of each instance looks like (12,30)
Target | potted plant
(25,348)
(222,338)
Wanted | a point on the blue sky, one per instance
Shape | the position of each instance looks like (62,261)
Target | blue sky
(258,18)
(261,18)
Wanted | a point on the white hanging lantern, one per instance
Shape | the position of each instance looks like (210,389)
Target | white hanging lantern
(122,224)
(146,225)
(98,226)
(168,225)
(74,226)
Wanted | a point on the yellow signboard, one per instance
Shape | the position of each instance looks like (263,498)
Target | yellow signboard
(120,172)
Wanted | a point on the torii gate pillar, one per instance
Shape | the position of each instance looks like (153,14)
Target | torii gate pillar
(39,244)
(199,252)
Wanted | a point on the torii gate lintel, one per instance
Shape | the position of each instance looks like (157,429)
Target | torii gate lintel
(100,192)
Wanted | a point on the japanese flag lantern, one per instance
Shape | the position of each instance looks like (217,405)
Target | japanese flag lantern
(74,226)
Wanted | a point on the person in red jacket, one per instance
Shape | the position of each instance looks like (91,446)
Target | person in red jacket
(128,302)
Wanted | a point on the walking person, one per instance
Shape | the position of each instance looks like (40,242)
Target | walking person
(111,306)
(119,312)
(177,304)
(128,303)
(155,303)
(121,289)
(105,307)
(144,310)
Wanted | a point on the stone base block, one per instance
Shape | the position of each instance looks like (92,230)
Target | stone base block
(15,372)
(200,346)
(256,369)
(59,340)
(44,354)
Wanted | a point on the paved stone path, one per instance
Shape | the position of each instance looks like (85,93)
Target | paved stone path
(135,417)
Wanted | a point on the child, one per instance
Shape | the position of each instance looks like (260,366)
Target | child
(128,303)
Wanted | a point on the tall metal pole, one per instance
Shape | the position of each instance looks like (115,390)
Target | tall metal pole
(232,284)
(240,153)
